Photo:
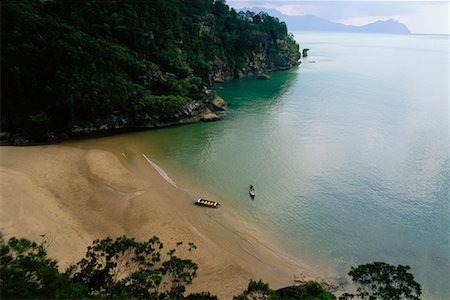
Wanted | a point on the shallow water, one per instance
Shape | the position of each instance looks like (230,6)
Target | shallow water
(349,154)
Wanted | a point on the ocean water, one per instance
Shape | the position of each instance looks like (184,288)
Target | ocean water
(349,154)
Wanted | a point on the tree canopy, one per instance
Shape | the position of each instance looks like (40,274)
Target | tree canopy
(124,268)
(380,280)
(111,269)
(27,273)
(257,290)
(66,62)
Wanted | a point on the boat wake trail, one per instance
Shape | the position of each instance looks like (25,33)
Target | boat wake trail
(161,171)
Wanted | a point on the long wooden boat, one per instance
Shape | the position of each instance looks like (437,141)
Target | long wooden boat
(206,202)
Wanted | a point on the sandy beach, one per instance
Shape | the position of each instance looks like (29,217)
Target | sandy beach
(80,191)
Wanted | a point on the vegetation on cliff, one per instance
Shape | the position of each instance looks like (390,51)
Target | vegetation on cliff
(127,269)
(75,64)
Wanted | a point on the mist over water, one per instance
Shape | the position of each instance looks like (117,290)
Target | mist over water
(349,154)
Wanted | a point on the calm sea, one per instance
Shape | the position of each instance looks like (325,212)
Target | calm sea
(349,154)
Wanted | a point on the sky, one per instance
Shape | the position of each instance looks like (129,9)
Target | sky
(421,16)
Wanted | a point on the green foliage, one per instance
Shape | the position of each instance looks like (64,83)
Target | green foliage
(125,268)
(257,290)
(112,269)
(201,296)
(50,68)
(40,117)
(77,61)
(26,272)
(380,280)
(310,290)
(164,101)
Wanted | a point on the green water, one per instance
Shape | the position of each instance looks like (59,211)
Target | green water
(349,154)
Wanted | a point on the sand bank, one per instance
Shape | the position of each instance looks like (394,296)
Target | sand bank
(80,191)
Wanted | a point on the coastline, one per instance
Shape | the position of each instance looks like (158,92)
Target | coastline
(84,190)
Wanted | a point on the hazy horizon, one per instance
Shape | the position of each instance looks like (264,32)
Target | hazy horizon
(421,17)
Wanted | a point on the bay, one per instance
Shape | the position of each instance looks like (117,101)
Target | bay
(349,154)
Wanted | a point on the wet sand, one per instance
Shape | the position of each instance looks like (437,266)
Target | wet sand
(80,191)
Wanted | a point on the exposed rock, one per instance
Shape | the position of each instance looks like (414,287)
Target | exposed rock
(219,103)
(20,140)
(218,68)
(284,68)
(211,117)
(208,115)
(205,25)
(305,52)
(204,29)
(264,76)
(330,286)
(302,278)
(218,79)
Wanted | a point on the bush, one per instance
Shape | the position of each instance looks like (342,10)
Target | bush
(380,280)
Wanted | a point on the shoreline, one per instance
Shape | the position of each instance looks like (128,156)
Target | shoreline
(82,190)
(205,110)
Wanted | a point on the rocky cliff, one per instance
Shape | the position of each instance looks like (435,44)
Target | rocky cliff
(273,57)
(88,67)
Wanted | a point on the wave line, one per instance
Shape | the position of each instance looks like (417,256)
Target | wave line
(161,171)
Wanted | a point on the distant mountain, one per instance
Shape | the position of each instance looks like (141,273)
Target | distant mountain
(313,23)
(388,26)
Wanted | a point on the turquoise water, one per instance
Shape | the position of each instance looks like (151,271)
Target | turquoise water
(349,154)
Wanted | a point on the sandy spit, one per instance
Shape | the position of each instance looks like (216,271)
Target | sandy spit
(77,192)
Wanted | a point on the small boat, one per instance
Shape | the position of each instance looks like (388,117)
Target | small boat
(206,202)
(252,191)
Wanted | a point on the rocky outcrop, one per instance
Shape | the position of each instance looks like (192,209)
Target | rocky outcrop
(219,103)
(220,71)
(117,83)
(274,57)
(207,106)
(305,52)
(331,285)
(263,76)
(195,111)
(211,117)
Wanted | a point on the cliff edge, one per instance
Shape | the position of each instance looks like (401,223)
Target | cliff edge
(87,67)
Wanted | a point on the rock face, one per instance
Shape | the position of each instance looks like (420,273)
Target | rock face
(195,111)
(219,103)
(211,117)
(301,279)
(264,76)
(275,55)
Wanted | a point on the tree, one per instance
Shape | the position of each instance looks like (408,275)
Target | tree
(26,272)
(201,296)
(310,290)
(380,280)
(112,269)
(257,291)
(126,268)
(103,59)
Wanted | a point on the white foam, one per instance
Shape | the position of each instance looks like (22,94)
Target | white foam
(161,171)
